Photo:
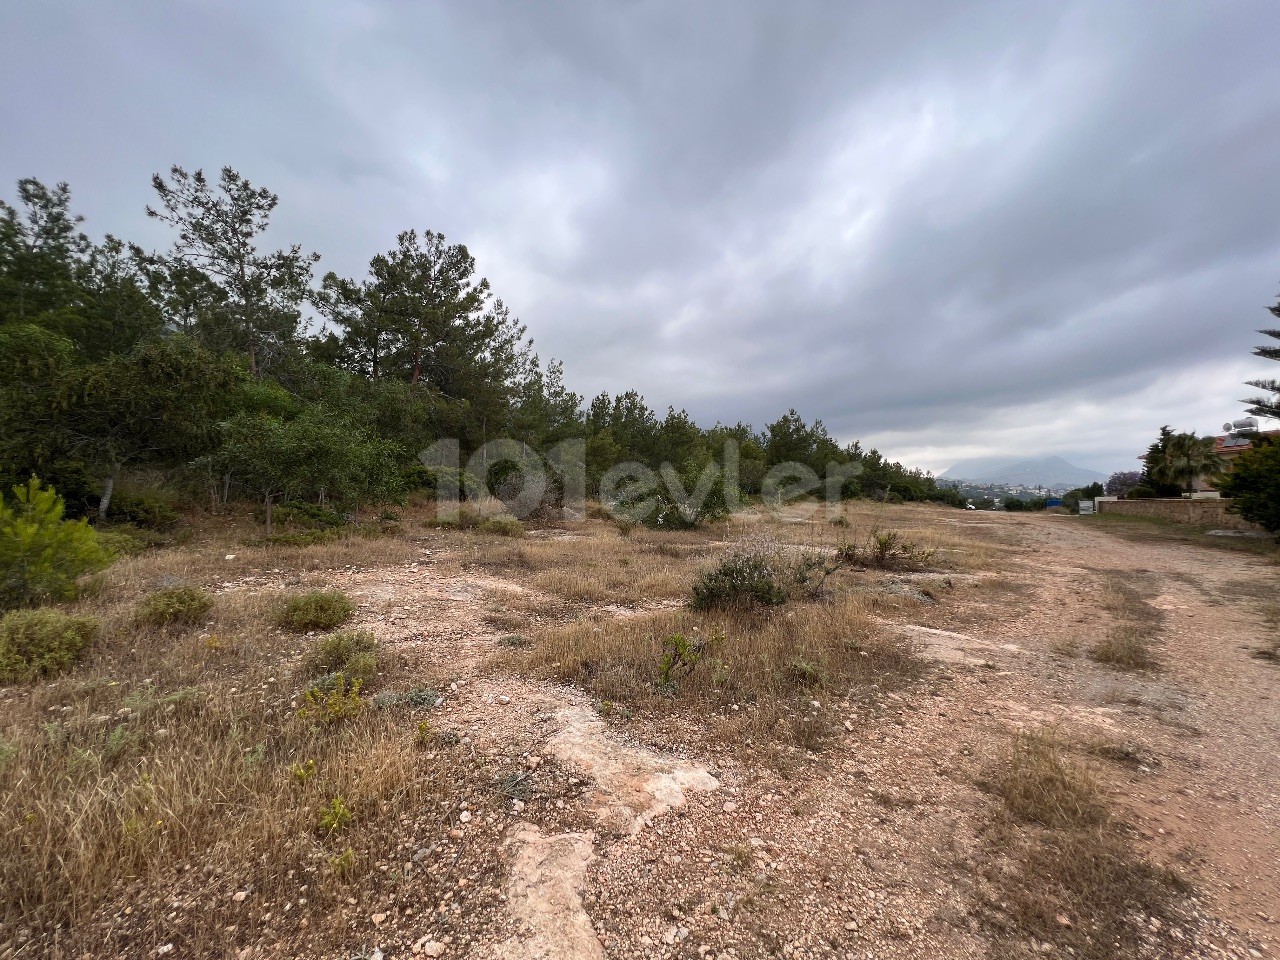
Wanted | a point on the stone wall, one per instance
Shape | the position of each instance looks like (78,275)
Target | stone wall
(1200,512)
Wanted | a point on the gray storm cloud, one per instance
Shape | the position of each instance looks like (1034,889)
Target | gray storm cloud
(950,229)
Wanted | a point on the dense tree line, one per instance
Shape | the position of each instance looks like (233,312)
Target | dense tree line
(227,370)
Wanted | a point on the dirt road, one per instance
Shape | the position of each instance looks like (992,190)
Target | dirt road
(875,846)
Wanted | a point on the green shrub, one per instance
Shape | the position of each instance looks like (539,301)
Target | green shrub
(42,555)
(335,816)
(35,643)
(502,525)
(747,576)
(175,607)
(332,700)
(1254,484)
(304,515)
(146,509)
(1141,493)
(317,610)
(305,538)
(340,652)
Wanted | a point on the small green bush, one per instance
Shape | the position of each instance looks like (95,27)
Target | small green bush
(335,816)
(502,525)
(332,700)
(337,652)
(318,610)
(36,643)
(748,576)
(42,555)
(146,509)
(175,607)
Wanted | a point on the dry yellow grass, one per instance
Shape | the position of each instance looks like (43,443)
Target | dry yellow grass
(1127,644)
(754,674)
(1062,870)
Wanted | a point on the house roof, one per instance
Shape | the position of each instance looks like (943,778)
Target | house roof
(1231,446)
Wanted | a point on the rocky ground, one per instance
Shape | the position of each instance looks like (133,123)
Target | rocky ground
(871,849)
(623,836)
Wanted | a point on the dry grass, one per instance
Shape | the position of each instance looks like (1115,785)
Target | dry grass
(1269,649)
(754,674)
(1127,644)
(175,765)
(1063,871)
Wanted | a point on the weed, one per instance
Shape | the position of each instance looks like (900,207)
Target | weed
(680,655)
(318,610)
(302,772)
(40,643)
(420,698)
(889,550)
(175,607)
(513,640)
(335,816)
(332,700)
(343,865)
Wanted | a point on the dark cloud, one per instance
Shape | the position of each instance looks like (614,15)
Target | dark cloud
(951,229)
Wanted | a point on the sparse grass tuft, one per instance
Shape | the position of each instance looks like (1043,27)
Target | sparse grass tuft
(175,607)
(1065,873)
(318,610)
(1039,784)
(41,643)
(1127,644)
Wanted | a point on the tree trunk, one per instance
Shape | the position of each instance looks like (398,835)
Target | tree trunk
(104,505)
(417,365)
(267,504)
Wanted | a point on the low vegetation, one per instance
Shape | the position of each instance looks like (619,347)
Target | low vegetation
(353,653)
(753,674)
(1128,642)
(1064,872)
(41,643)
(317,610)
(175,607)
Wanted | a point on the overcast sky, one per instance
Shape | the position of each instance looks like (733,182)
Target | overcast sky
(946,229)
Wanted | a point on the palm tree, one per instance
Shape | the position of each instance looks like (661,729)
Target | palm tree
(1184,459)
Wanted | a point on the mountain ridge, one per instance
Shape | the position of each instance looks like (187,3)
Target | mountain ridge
(1051,471)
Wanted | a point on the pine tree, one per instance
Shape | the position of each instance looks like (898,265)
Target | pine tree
(1267,406)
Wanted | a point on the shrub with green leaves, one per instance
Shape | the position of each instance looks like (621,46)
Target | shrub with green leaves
(318,610)
(36,643)
(743,577)
(502,525)
(332,700)
(42,555)
(175,607)
(353,653)
(1254,484)
(147,509)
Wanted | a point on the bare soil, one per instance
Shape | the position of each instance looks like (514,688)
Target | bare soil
(635,836)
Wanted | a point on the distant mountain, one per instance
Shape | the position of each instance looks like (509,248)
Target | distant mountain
(1041,472)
